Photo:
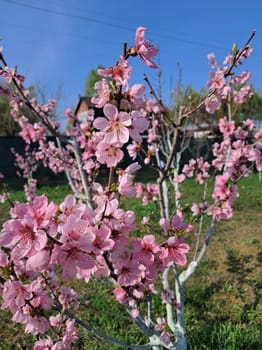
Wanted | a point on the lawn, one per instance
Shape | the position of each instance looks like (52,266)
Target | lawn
(223,299)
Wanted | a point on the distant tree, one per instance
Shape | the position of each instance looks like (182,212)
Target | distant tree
(43,94)
(188,98)
(252,109)
(7,125)
(92,78)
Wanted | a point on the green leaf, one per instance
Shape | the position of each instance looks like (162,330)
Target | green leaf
(234,49)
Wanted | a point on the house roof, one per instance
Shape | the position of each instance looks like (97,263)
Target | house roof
(89,104)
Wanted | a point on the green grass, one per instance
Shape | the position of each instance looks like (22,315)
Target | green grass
(223,299)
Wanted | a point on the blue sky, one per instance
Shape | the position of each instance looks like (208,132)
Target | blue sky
(56,42)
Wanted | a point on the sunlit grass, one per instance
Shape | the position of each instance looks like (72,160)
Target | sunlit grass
(223,299)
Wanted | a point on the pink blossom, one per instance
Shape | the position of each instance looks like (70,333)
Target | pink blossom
(228,59)
(39,261)
(153,190)
(72,258)
(149,105)
(162,326)
(167,296)
(101,268)
(242,95)
(115,125)
(23,236)
(145,248)
(147,160)
(242,78)
(151,135)
(42,210)
(125,186)
(30,189)
(43,344)
(56,321)
(224,211)
(189,168)
(109,154)
(175,252)
(139,125)
(177,225)
(120,73)
(103,91)
(15,295)
(144,48)
(217,80)
(135,94)
(69,206)
(77,230)
(130,274)
(212,103)
(126,178)
(179,178)
(249,123)
(11,75)
(59,345)
(70,335)
(254,155)
(211,59)
(120,295)
(221,191)
(198,209)
(145,220)
(68,298)
(4,197)
(163,222)
(133,149)
(258,136)
(121,257)
(36,325)
(102,241)
(135,312)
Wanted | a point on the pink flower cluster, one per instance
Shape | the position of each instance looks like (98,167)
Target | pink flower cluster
(144,48)
(232,155)
(220,89)
(195,168)
(83,242)
(116,129)
(116,78)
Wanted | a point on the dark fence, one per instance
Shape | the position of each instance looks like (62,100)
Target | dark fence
(195,148)
(9,170)
(7,158)
(199,147)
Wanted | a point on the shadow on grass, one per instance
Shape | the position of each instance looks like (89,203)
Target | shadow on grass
(237,264)
(226,314)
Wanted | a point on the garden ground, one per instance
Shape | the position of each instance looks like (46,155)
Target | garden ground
(223,299)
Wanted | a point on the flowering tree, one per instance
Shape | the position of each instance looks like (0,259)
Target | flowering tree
(89,235)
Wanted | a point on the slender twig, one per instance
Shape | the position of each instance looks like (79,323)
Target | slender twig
(47,121)
(110,339)
(87,188)
(110,178)
(153,93)
(67,172)
(241,52)
(200,229)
